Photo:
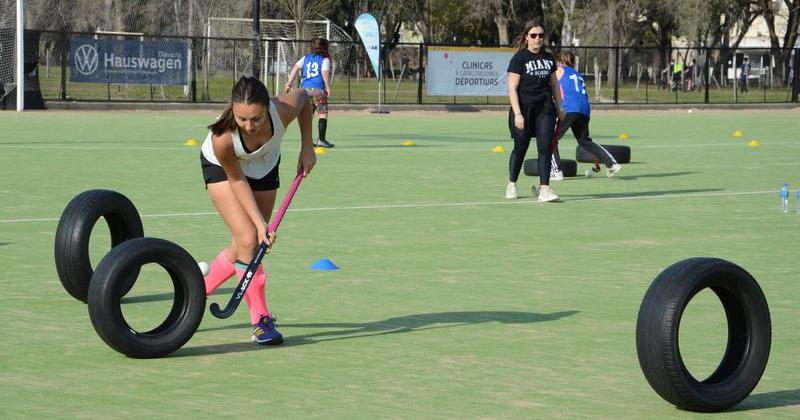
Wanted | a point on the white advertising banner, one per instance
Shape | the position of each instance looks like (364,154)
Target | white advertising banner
(468,71)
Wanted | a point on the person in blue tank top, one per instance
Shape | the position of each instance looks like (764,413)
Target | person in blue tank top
(576,107)
(315,68)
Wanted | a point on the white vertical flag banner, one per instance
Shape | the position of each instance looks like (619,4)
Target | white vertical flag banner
(370,33)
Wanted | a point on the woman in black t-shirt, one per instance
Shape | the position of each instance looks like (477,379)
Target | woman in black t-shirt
(535,97)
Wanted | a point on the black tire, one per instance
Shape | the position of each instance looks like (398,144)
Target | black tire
(75,227)
(749,334)
(106,291)
(531,167)
(622,154)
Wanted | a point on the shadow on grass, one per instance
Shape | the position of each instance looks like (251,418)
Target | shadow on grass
(170,296)
(773,399)
(442,139)
(397,325)
(5,243)
(389,146)
(661,175)
(635,162)
(462,108)
(640,194)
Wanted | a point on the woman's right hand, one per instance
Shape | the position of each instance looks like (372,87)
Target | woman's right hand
(262,233)
(265,236)
(519,121)
(287,87)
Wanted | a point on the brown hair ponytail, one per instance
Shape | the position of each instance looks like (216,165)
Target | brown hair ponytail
(319,46)
(567,57)
(248,90)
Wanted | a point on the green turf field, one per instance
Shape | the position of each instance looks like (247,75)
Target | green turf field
(450,301)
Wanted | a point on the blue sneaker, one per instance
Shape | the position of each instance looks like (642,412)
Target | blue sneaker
(265,333)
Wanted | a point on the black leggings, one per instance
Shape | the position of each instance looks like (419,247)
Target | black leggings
(543,118)
(580,128)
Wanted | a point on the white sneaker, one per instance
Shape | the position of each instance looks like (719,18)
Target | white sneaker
(204,268)
(511,191)
(557,175)
(546,194)
(613,170)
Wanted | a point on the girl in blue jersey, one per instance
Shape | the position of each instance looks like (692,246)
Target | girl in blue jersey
(535,102)
(315,68)
(240,159)
(576,108)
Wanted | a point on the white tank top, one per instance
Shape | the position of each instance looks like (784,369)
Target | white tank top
(260,162)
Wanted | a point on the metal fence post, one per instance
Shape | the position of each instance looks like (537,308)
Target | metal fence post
(419,76)
(795,75)
(616,75)
(194,71)
(706,73)
(64,64)
(349,76)
(257,39)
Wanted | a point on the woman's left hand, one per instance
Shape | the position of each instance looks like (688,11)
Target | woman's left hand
(307,160)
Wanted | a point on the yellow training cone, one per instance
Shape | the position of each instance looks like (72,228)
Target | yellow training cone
(409,143)
(191,143)
(738,133)
(320,150)
(499,149)
(624,136)
(754,143)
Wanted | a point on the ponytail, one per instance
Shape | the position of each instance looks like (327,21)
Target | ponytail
(319,46)
(248,90)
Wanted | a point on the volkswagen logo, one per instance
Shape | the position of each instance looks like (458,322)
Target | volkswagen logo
(86,59)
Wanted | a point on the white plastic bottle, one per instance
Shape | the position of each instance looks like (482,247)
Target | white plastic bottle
(785,198)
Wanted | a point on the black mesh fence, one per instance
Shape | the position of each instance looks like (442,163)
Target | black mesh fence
(200,69)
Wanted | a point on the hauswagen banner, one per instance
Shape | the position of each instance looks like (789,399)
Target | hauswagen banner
(128,61)
(468,71)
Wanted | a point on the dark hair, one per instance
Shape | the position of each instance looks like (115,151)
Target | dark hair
(320,46)
(522,42)
(248,90)
(567,57)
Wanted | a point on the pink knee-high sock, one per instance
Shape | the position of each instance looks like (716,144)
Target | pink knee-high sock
(255,295)
(221,270)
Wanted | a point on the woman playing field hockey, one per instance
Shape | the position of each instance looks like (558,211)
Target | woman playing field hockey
(240,159)
(576,107)
(535,101)
(315,68)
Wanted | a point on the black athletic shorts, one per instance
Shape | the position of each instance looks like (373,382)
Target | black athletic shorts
(214,173)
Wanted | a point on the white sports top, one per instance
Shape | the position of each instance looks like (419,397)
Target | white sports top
(258,164)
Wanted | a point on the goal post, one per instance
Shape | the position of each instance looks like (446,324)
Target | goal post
(20,49)
(280,50)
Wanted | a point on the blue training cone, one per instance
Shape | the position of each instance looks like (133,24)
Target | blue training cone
(324,264)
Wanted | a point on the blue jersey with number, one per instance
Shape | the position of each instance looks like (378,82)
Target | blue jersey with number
(573,92)
(312,72)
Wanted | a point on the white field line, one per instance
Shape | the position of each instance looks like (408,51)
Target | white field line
(434,205)
(386,148)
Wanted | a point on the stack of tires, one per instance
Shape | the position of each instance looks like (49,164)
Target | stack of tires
(622,154)
(104,286)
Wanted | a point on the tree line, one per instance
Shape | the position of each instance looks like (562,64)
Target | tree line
(716,24)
